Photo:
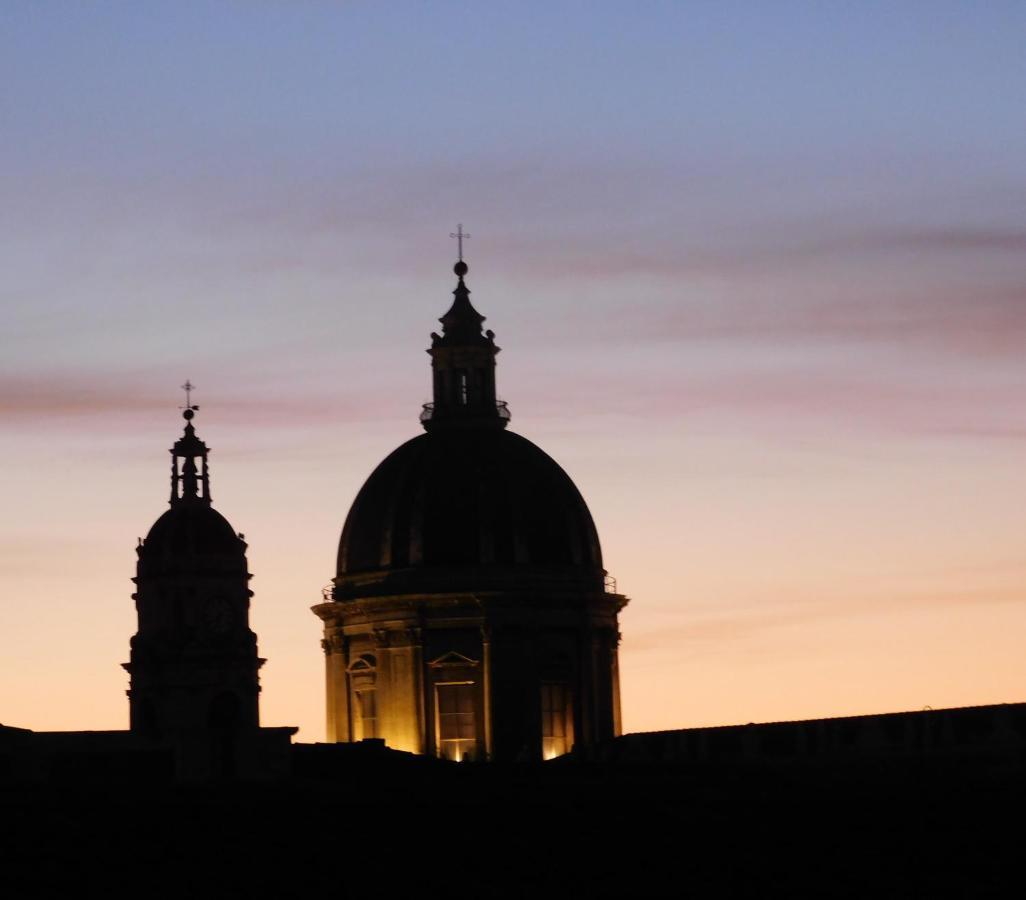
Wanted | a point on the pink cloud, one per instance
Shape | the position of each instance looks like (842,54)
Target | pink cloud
(810,395)
(115,402)
(984,322)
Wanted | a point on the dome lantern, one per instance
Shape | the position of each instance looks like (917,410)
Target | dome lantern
(463,365)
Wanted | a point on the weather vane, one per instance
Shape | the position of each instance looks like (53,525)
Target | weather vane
(188,387)
(459,234)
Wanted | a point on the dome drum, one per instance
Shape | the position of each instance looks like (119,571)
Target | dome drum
(536,677)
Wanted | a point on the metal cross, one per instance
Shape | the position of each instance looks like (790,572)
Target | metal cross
(459,234)
(188,387)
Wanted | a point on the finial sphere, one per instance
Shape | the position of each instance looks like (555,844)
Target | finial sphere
(188,414)
(460,268)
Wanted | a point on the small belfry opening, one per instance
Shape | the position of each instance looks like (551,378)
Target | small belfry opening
(192,482)
(190,474)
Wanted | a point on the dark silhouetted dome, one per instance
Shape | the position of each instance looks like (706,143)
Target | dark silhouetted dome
(188,532)
(474,501)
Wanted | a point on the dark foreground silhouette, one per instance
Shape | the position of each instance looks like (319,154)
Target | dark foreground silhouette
(360,820)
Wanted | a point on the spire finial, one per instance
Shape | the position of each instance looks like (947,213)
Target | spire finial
(461,267)
(189,409)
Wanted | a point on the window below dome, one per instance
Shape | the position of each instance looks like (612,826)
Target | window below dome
(456,720)
(363,683)
(365,714)
(557,719)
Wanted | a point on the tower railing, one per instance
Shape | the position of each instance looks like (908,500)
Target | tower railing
(610,583)
(427,412)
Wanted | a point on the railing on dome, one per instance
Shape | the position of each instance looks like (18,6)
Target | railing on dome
(328,593)
(427,413)
(610,584)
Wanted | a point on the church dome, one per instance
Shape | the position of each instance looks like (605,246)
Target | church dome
(478,502)
(468,507)
(191,534)
(188,530)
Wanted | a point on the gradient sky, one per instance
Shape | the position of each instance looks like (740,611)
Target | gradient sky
(758,272)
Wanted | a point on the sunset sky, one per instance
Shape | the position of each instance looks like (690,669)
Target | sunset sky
(758,272)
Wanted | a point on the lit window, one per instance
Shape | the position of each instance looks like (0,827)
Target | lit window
(457,728)
(363,678)
(366,719)
(557,720)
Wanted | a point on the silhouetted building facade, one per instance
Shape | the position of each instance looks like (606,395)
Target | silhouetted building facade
(470,616)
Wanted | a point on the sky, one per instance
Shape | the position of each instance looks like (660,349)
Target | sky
(758,272)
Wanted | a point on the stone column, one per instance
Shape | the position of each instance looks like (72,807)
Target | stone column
(336,684)
(486,677)
(405,689)
(615,674)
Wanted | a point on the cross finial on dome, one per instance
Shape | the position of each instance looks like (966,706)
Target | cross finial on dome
(189,409)
(461,267)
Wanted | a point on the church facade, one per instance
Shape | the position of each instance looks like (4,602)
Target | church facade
(470,616)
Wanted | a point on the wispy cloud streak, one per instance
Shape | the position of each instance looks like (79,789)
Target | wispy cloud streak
(710,632)
(65,399)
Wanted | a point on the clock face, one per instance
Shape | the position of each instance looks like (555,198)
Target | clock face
(219,614)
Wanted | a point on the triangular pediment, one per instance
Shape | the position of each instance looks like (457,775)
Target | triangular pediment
(452,658)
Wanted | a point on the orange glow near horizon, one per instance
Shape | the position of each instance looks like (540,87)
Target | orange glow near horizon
(766,582)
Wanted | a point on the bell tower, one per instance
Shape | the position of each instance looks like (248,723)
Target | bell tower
(194,664)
